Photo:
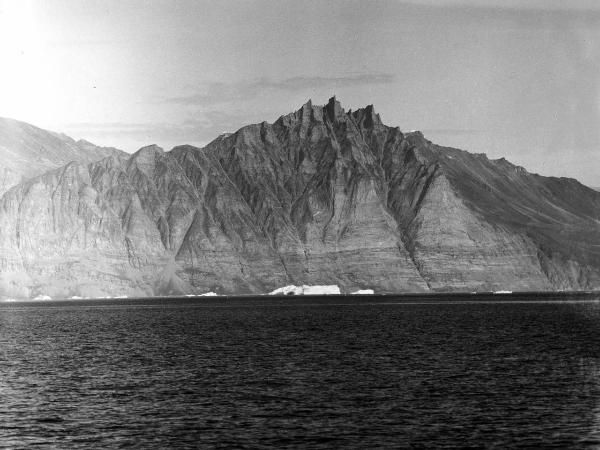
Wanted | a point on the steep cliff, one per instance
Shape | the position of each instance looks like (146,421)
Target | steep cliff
(320,197)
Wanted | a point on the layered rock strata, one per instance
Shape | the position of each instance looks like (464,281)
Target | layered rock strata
(320,197)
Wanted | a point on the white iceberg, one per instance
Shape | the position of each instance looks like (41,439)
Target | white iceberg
(10,299)
(287,290)
(42,297)
(502,292)
(75,297)
(209,294)
(321,290)
(307,290)
(364,292)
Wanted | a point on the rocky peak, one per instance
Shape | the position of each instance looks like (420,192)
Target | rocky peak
(333,110)
(366,117)
(148,150)
(307,114)
(145,158)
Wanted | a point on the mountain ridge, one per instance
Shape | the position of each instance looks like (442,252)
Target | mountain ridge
(27,151)
(320,196)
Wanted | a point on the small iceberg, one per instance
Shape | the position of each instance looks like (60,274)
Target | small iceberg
(307,290)
(207,294)
(42,297)
(10,299)
(502,292)
(288,290)
(363,292)
(75,297)
(321,290)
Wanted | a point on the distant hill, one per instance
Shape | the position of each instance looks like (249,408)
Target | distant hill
(319,197)
(27,151)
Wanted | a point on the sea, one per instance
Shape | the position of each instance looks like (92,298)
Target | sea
(462,371)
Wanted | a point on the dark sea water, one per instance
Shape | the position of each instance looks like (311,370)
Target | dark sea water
(308,373)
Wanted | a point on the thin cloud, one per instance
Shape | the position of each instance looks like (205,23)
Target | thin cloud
(217,92)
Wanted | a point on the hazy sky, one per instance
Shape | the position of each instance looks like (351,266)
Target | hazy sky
(512,78)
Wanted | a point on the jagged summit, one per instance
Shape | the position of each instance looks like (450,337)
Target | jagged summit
(333,112)
(334,109)
(320,197)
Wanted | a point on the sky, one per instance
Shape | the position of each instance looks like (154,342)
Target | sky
(510,78)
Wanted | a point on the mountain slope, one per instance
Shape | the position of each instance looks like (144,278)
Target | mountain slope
(321,196)
(27,151)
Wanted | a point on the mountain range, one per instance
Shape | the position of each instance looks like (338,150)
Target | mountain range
(321,196)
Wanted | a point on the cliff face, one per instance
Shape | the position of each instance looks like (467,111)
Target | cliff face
(27,151)
(320,197)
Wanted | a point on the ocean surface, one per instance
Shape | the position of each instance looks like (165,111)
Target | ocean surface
(303,372)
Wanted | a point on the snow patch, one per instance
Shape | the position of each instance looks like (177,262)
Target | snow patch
(307,290)
(364,292)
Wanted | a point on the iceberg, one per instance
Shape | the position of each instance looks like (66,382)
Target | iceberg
(42,297)
(321,290)
(364,292)
(288,290)
(209,294)
(307,290)
(502,292)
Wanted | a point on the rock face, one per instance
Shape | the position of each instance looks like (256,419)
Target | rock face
(320,197)
(27,151)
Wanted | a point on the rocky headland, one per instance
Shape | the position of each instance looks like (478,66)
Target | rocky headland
(322,196)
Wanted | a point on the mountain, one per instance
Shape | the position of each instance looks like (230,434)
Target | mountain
(322,196)
(27,151)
